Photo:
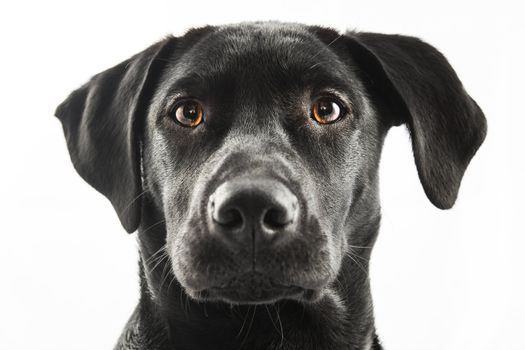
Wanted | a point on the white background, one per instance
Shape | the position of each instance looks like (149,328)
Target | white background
(441,279)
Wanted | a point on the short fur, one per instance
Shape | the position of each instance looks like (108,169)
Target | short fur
(257,82)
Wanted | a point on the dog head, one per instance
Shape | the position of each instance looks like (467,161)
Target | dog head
(256,147)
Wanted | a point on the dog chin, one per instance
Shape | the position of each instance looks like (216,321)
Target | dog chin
(251,289)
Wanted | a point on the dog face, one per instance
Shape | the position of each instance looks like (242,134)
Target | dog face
(258,146)
(254,144)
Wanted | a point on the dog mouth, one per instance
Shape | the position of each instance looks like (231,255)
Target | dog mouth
(255,288)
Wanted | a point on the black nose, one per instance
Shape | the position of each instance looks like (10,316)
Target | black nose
(252,208)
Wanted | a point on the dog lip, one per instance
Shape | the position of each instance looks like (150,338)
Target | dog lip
(269,284)
(256,296)
(256,288)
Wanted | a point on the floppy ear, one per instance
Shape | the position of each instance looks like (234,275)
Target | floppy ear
(102,122)
(414,84)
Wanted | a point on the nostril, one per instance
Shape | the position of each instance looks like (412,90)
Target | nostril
(277,218)
(230,218)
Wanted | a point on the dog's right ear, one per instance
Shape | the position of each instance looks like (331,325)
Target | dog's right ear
(102,122)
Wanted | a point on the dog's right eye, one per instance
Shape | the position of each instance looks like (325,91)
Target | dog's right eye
(188,113)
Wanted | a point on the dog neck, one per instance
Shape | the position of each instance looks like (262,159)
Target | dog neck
(167,318)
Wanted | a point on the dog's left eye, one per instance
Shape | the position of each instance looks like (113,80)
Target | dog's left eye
(188,113)
(326,110)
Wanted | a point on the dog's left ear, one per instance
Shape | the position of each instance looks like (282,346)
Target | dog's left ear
(102,122)
(413,83)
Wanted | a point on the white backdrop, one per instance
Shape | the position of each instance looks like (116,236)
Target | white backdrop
(441,279)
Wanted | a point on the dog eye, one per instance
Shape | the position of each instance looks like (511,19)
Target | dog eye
(188,113)
(326,111)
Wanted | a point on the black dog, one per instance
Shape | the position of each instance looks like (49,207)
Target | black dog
(246,156)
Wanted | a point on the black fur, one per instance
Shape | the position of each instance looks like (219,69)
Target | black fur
(257,82)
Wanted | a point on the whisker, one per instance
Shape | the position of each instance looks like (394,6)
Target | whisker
(250,325)
(340,284)
(173,278)
(132,201)
(234,311)
(163,256)
(148,260)
(158,259)
(166,274)
(271,319)
(349,254)
(325,48)
(181,301)
(314,65)
(187,304)
(205,310)
(359,247)
(358,256)
(153,225)
(277,310)
(243,322)
(333,41)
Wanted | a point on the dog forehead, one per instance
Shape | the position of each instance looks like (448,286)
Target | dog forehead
(256,48)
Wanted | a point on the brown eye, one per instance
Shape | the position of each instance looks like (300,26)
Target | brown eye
(326,111)
(189,113)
